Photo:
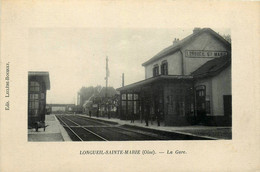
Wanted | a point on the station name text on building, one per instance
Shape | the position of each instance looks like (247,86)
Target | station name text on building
(204,53)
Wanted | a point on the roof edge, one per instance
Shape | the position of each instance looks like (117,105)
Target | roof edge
(178,47)
(153,79)
(213,73)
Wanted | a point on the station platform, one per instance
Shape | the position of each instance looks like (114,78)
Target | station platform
(54,132)
(208,132)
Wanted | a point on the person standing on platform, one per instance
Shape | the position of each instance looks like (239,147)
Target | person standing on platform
(90,113)
(132,118)
(158,116)
(147,114)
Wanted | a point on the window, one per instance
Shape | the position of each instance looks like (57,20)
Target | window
(156,70)
(164,68)
(201,93)
(135,107)
(181,110)
(33,104)
(36,99)
(130,96)
(42,96)
(123,96)
(135,96)
(34,86)
(130,106)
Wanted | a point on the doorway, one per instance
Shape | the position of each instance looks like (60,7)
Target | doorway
(227,105)
(201,103)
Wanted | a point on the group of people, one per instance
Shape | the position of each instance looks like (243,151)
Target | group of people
(147,115)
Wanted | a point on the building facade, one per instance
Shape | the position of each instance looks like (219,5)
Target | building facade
(212,83)
(187,83)
(61,108)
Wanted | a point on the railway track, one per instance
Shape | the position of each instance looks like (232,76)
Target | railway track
(80,125)
(79,132)
(119,127)
(87,129)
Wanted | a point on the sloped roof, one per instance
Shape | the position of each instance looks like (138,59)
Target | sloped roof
(212,67)
(110,92)
(176,46)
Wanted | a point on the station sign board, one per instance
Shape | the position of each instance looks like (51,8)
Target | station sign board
(204,53)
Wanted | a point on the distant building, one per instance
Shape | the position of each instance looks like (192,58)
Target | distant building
(61,108)
(186,83)
(97,103)
(38,83)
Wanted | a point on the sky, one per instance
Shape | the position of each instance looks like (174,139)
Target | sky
(76,57)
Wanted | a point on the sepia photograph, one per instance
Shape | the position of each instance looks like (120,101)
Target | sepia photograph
(129,84)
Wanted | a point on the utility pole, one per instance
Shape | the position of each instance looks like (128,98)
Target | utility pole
(107,75)
(123,79)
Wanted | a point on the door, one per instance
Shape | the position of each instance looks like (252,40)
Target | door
(201,103)
(227,105)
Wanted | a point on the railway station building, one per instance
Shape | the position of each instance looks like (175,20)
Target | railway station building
(38,84)
(187,83)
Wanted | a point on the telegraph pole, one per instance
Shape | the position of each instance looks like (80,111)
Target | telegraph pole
(123,79)
(107,75)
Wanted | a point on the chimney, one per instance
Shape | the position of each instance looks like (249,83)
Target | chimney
(196,30)
(175,40)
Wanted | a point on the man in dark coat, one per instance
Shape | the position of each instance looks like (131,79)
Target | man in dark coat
(158,116)
(147,114)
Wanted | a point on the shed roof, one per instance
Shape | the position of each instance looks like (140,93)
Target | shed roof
(44,75)
(177,46)
(212,67)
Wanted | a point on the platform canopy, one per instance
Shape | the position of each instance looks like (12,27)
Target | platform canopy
(157,79)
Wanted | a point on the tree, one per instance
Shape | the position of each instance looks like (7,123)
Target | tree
(87,92)
(227,38)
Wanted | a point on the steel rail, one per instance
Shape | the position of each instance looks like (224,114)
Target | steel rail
(90,119)
(144,134)
(86,129)
(134,131)
(70,129)
(92,126)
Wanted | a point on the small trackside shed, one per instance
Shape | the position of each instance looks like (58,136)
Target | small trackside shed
(38,84)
